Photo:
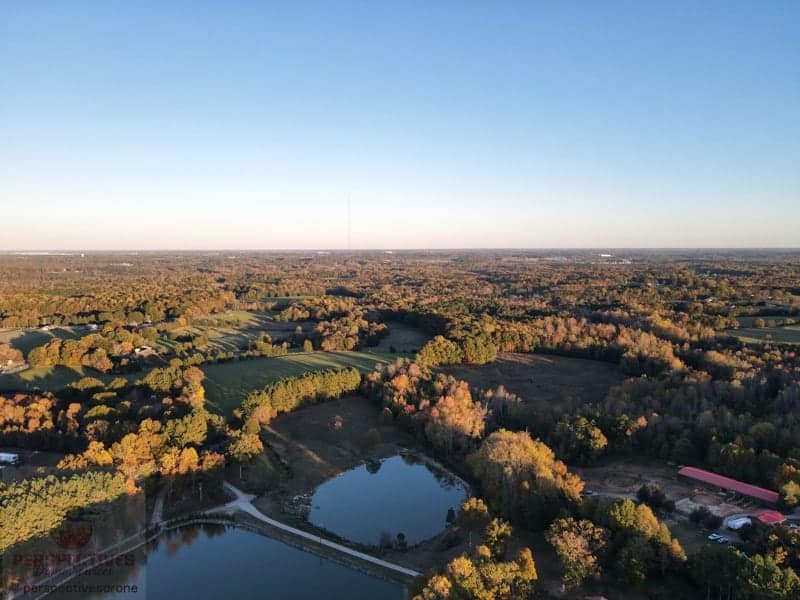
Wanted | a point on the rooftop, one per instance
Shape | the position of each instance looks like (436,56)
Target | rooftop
(734,485)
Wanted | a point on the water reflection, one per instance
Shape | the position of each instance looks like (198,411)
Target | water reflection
(213,561)
(404,496)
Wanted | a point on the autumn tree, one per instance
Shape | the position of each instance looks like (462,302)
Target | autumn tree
(521,478)
(577,544)
(497,535)
(579,440)
(244,447)
(439,351)
(454,419)
(473,516)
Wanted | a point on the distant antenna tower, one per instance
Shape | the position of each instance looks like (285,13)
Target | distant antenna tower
(348,223)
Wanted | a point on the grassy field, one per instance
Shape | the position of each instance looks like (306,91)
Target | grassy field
(284,301)
(542,379)
(228,383)
(49,379)
(403,338)
(782,335)
(776,320)
(25,340)
(232,331)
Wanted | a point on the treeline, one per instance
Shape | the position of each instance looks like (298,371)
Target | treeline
(728,573)
(638,352)
(487,572)
(437,408)
(96,415)
(39,422)
(285,395)
(173,448)
(34,507)
(343,323)
(108,350)
(442,351)
(522,480)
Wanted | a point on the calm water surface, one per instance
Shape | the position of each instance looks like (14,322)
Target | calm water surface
(381,499)
(213,562)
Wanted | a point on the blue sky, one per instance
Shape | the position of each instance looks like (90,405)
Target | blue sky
(146,125)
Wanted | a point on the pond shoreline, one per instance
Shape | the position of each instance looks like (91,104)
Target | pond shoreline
(391,502)
(241,521)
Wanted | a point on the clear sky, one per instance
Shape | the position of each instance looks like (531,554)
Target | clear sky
(148,125)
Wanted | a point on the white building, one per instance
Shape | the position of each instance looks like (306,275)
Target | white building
(8,458)
(738,523)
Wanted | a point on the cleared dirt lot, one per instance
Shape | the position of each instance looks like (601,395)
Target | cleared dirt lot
(543,379)
(622,477)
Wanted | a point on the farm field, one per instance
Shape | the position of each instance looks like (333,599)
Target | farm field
(770,320)
(542,379)
(234,330)
(227,383)
(51,379)
(402,339)
(284,300)
(25,339)
(789,334)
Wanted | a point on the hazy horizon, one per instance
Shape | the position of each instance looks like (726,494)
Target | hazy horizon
(526,125)
(387,249)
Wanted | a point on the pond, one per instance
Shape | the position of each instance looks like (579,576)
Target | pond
(375,502)
(215,561)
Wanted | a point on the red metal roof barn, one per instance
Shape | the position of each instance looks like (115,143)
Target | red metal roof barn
(726,483)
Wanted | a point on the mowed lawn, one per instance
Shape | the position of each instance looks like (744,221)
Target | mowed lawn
(781,335)
(228,383)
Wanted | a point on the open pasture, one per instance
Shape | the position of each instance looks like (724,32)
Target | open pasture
(50,379)
(25,339)
(228,383)
(789,334)
(233,331)
(543,379)
(402,339)
(770,320)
